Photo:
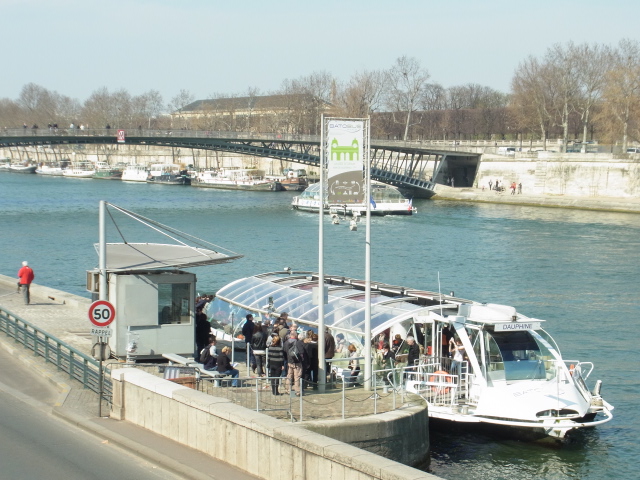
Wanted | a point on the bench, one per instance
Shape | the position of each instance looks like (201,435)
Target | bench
(188,362)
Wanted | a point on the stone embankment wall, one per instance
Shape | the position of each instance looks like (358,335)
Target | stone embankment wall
(263,446)
(586,175)
(147,154)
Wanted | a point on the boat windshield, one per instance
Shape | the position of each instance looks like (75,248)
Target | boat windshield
(517,356)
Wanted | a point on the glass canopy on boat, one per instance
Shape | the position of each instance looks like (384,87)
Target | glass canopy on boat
(293,293)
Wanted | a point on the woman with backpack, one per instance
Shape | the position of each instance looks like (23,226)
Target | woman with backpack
(276,362)
(258,346)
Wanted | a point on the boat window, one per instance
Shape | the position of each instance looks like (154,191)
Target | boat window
(518,356)
(549,340)
(174,303)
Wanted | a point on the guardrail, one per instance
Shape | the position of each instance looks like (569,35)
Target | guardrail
(294,137)
(341,397)
(78,365)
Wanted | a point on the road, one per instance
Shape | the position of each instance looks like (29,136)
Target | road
(35,444)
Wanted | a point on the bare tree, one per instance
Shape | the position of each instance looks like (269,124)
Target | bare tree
(363,93)
(252,98)
(177,104)
(594,61)
(408,85)
(621,92)
(563,64)
(532,96)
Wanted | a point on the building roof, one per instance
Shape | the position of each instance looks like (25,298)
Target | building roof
(262,102)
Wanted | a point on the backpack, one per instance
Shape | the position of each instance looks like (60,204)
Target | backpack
(205,355)
(208,360)
(295,354)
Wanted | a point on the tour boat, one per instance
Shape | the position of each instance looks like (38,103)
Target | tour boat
(80,170)
(135,173)
(168,174)
(236,179)
(511,379)
(387,200)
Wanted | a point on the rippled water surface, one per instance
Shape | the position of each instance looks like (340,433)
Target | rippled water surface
(579,270)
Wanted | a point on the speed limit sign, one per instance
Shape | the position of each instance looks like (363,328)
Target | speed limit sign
(101,313)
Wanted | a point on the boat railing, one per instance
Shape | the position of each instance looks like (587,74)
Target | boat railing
(437,374)
(584,368)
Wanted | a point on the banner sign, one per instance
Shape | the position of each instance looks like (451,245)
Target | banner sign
(345,177)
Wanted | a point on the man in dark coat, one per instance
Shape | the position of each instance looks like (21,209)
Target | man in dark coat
(247,333)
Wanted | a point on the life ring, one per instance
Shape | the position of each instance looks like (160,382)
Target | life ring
(433,378)
(572,368)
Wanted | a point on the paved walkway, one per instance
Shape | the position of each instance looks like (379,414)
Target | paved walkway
(67,399)
(610,204)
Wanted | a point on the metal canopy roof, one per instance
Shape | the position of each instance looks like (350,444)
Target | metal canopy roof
(150,256)
(293,293)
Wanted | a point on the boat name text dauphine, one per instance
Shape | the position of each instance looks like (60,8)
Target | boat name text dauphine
(507,327)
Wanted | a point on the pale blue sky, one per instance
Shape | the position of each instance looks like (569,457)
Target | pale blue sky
(209,46)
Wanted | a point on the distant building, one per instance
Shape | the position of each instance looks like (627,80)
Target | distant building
(295,113)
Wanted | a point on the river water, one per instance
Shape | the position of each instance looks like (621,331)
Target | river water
(579,270)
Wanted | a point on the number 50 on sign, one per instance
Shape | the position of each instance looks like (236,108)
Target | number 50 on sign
(101,313)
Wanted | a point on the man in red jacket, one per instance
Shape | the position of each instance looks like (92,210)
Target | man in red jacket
(26,276)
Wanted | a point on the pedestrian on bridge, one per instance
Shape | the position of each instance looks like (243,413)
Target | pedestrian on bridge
(26,276)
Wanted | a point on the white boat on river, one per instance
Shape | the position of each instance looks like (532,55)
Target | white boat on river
(387,200)
(80,170)
(236,179)
(135,173)
(511,377)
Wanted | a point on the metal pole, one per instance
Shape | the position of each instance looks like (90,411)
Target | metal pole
(301,390)
(343,395)
(322,374)
(233,343)
(367,269)
(103,294)
(100,382)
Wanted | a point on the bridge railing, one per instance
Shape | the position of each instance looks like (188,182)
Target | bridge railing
(78,365)
(180,133)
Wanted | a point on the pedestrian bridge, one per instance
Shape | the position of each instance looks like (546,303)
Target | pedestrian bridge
(415,169)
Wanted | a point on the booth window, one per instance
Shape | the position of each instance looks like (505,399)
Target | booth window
(174,303)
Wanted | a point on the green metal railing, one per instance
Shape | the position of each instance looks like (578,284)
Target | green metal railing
(78,365)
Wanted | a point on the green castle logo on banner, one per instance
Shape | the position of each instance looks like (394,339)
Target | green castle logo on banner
(345,153)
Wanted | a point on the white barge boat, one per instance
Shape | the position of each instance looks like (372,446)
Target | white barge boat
(387,200)
(236,179)
(80,170)
(135,173)
(511,379)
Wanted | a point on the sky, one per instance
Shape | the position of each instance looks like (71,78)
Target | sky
(210,47)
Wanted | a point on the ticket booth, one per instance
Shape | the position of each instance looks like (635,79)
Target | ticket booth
(155,311)
(153,298)
(154,305)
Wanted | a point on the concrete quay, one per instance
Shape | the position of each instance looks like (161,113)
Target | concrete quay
(478,195)
(313,454)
